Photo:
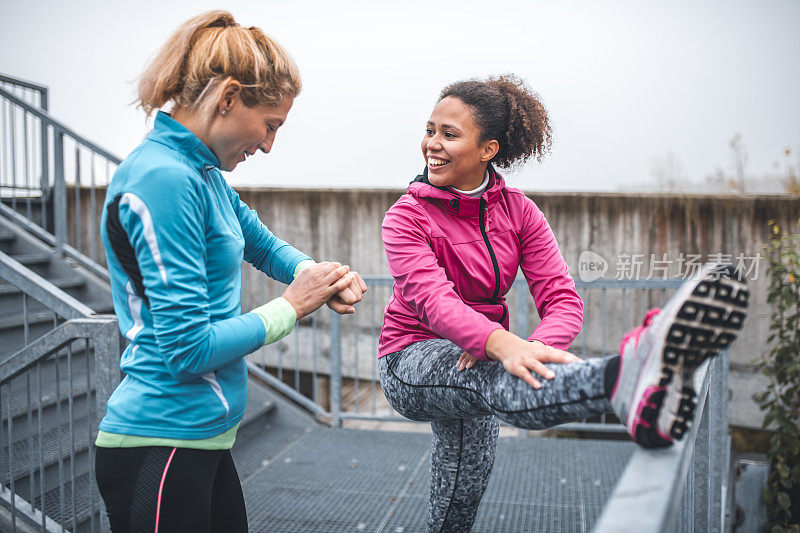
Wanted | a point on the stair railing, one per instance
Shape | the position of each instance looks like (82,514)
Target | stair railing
(328,364)
(38,96)
(50,176)
(681,488)
(53,393)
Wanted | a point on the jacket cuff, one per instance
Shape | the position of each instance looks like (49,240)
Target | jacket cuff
(302,265)
(279,318)
(482,354)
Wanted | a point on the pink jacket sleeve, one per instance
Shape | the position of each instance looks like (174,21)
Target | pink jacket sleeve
(551,286)
(423,284)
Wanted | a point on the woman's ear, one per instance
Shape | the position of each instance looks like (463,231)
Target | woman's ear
(230,93)
(490,150)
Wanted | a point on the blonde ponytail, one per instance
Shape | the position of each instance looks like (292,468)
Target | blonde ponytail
(208,50)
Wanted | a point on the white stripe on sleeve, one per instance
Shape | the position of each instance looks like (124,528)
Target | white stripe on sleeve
(135,308)
(140,209)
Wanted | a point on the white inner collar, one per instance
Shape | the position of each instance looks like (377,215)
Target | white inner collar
(474,193)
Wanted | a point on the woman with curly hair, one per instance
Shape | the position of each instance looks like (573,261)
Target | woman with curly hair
(454,243)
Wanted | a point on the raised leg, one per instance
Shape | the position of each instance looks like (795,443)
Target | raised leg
(423,383)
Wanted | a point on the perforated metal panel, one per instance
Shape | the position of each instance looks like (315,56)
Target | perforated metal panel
(350,480)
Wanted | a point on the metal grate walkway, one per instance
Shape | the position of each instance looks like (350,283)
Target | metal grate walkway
(322,479)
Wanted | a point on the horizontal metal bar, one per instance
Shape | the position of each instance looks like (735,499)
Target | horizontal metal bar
(23,83)
(59,126)
(52,341)
(387,281)
(648,492)
(41,290)
(48,238)
(29,518)
(376,418)
(598,427)
(282,387)
(572,426)
(602,283)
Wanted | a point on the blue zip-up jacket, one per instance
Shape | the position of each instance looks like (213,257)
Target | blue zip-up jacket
(175,234)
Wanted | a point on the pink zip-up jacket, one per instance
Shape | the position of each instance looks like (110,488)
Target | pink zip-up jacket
(454,258)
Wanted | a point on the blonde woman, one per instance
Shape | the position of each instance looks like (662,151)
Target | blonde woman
(175,235)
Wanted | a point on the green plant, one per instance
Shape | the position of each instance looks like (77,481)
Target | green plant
(781,364)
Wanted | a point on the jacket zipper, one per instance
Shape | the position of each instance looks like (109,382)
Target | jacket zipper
(484,210)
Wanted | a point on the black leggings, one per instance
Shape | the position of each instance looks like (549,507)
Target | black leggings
(165,489)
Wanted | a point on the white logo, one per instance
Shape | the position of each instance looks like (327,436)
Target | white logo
(591,266)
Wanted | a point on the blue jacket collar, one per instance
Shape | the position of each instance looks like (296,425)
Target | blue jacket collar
(173,134)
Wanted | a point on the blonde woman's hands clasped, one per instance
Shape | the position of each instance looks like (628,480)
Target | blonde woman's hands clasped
(318,284)
(521,357)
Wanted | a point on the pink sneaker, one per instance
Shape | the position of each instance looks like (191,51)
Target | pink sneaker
(654,394)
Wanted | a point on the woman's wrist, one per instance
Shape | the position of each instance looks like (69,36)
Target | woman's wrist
(502,343)
(499,344)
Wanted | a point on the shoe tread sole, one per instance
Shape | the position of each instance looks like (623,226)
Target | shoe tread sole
(706,322)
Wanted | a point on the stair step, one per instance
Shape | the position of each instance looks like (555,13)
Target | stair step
(7,237)
(43,316)
(52,437)
(83,502)
(19,387)
(6,289)
(33,259)
(34,318)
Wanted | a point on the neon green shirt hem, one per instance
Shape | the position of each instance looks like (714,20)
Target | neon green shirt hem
(223,441)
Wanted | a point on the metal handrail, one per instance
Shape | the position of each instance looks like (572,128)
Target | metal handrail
(49,238)
(41,290)
(96,328)
(59,127)
(41,89)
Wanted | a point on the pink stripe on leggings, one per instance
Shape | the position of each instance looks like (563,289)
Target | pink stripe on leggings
(161,486)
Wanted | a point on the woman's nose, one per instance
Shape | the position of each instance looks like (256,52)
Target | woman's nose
(265,146)
(434,143)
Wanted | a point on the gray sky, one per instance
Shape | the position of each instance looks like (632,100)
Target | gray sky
(624,81)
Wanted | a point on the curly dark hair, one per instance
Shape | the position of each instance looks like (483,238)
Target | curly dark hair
(506,109)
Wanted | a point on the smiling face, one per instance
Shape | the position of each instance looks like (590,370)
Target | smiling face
(243,130)
(452,149)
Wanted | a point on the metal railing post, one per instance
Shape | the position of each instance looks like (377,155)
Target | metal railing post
(715,449)
(522,310)
(107,345)
(336,369)
(702,465)
(59,193)
(106,363)
(45,145)
(720,444)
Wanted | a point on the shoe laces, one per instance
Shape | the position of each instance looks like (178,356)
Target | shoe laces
(636,332)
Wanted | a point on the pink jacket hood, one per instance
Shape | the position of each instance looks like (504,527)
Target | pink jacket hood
(454,258)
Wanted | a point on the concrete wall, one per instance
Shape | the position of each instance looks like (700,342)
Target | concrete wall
(345,226)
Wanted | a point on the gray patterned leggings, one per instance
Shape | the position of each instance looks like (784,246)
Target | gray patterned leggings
(422,383)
